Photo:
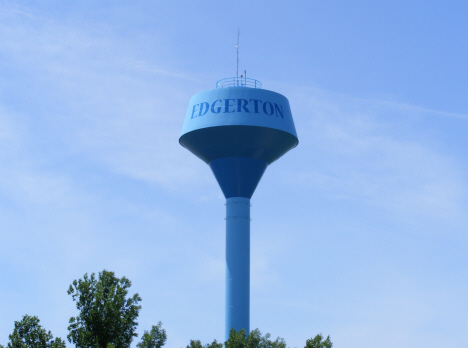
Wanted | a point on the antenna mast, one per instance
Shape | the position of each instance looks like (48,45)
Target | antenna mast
(237,47)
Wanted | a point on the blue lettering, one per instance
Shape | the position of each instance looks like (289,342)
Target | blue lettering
(242,103)
(256,101)
(216,109)
(227,105)
(230,106)
(193,111)
(201,108)
(265,108)
(278,110)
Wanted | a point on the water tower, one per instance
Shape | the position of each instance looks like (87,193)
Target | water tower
(238,129)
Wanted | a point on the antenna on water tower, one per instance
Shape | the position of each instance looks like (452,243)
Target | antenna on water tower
(238,129)
(237,48)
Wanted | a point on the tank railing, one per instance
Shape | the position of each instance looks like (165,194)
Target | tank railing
(238,82)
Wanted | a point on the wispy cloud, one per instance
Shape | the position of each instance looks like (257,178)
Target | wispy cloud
(374,152)
(414,109)
(98,99)
(92,176)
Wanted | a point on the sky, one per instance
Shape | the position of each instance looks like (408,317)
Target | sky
(359,233)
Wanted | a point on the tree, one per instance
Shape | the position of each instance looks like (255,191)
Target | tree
(107,316)
(317,342)
(238,339)
(255,339)
(197,344)
(28,333)
(156,338)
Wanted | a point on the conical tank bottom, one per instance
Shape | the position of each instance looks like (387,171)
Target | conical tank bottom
(238,176)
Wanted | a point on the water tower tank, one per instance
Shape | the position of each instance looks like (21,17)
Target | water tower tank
(238,129)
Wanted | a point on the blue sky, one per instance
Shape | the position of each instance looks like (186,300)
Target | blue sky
(359,233)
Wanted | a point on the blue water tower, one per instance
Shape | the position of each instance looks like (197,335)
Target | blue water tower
(238,129)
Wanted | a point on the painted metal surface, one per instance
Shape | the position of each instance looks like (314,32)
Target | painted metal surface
(237,264)
(239,106)
(238,131)
(238,176)
(238,122)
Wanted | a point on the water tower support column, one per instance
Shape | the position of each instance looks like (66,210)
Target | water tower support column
(237,264)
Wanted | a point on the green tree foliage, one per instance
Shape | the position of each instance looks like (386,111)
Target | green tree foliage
(255,339)
(28,333)
(107,319)
(318,342)
(197,344)
(238,339)
(107,315)
(156,338)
